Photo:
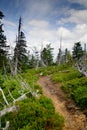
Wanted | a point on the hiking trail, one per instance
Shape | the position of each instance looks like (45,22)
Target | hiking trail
(74,118)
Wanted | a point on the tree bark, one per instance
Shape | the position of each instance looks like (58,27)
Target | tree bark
(4,97)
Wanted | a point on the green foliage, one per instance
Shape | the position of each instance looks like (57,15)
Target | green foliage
(37,87)
(47,55)
(34,115)
(3,46)
(30,76)
(65,75)
(46,71)
(77,89)
(13,86)
(80,96)
(77,51)
(52,69)
(1,80)
(20,51)
(73,82)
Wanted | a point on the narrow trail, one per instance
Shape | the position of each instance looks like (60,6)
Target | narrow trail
(74,118)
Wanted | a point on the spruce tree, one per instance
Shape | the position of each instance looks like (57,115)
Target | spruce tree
(77,51)
(3,46)
(20,52)
(47,55)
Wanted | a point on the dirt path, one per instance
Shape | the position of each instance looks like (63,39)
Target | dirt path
(74,118)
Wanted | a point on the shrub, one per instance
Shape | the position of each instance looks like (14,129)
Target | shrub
(80,96)
(64,76)
(77,89)
(34,115)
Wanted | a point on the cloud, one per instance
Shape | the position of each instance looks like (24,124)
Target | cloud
(75,16)
(79,29)
(69,37)
(9,23)
(36,9)
(81,2)
(39,32)
(10,30)
(39,23)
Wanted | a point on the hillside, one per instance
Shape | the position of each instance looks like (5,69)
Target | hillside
(26,108)
(74,117)
(52,98)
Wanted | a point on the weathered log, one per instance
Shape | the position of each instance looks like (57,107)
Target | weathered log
(4,96)
(7,110)
(7,126)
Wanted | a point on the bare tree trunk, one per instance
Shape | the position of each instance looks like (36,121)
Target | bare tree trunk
(4,97)
(7,110)
(11,67)
(7,126)
(16,66)
(11,95)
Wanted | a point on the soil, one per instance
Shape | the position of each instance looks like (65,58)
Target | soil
(74,117)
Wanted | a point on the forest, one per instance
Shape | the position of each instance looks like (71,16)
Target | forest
(24,104)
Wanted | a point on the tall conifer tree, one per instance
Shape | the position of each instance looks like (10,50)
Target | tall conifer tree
(3,46)
(20,52)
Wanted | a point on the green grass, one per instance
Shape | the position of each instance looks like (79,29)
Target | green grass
(52,69)
(73,83)
(77,89)
(65,75)
(34,114)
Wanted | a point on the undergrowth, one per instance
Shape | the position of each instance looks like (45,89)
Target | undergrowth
(34,114)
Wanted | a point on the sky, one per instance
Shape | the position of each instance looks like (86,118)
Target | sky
(46,21)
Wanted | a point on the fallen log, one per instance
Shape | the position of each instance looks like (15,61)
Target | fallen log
(7,110)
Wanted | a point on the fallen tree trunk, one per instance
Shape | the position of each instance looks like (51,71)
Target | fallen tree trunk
(82,70)
(4,96)
(7,110)
(7,126)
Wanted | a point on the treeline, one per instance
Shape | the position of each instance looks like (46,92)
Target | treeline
(22,59)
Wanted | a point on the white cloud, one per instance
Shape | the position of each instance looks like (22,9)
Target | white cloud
(40,31)
(69,37)
(39,23)
(76,16)
(9,23)
(37,35)
(37,9)
(40,36)
(81,2)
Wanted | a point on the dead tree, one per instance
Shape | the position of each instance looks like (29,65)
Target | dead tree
(4,97)
(41,57)
(81,64)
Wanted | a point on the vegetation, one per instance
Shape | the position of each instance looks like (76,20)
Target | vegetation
(46,55)
(77,51)
(66,75)
(73,84)
(77,90)
(20,51)
(3,46)
(35,114)
(19,88)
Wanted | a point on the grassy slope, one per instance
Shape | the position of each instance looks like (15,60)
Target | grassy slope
(41,111)
(73,83)
(33,113)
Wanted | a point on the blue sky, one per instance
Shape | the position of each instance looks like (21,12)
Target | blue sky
(44,21)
